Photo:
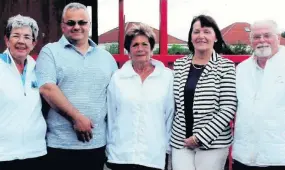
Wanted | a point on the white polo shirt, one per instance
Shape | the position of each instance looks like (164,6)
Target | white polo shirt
(23,127)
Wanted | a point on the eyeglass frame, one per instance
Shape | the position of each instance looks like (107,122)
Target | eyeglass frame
(72,23)
(18,36)
(265,36)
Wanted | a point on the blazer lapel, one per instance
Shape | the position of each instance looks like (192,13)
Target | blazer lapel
(185,71)
(210,65)
(183,78)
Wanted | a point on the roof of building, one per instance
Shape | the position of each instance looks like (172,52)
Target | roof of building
(112,35)
(238,33)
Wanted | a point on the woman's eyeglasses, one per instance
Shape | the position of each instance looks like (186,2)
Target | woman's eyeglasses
(72,23)
(17,37)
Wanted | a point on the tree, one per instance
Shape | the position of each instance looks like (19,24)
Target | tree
(241,49)
(156,51)
(178,49)
(175,49)
(113,48)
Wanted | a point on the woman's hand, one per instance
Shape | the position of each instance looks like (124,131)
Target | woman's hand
(191,142)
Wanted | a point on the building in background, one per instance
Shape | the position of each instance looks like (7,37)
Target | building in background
(238,33)
(110,39)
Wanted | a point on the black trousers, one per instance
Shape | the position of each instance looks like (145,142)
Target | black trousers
(31,164)
(239,166)
(74,159)
(129,167)
(136,167)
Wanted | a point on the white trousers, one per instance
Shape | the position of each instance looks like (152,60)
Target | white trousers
(197,159)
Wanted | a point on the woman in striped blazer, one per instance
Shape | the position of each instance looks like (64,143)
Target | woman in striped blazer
(205,97)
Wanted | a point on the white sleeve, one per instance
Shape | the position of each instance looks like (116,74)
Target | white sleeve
(112,108)
(169,112)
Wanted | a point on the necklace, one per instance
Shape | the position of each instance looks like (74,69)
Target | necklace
(198,68)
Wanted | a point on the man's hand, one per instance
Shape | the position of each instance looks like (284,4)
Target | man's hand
(56,99)
(83,128)
(191,142)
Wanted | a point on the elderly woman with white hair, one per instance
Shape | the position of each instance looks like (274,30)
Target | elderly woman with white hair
(140,107)
(23,128)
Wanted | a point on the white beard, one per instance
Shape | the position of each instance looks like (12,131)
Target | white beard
(263,52)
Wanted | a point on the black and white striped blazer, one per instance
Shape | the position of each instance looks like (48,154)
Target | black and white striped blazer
(214,103)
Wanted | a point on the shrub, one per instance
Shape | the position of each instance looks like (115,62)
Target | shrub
(113,48)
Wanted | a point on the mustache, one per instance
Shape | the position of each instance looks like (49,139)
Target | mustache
(76,31)
(263,45)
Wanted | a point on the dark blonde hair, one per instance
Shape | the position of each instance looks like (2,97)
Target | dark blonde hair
(139,29)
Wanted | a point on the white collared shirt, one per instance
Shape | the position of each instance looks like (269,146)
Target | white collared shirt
(23,127)
(259,138)
(140,116)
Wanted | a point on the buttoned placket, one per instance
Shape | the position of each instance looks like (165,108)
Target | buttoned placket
(23,78)
(256,99)
(139,131)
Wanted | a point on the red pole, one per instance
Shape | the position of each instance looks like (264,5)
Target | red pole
(121,27)
(163,28)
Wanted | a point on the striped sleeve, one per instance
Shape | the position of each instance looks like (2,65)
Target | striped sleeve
(227,103)
(175,85)
(178,126)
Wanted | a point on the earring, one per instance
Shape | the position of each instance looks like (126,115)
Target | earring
(216,41)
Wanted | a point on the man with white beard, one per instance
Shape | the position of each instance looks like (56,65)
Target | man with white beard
(259,138)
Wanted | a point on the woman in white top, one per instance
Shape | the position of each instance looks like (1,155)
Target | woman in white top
(23,128)
(141,107)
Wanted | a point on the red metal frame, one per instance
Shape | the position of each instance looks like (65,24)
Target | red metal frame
(163,35)
(169,59)
(121,27)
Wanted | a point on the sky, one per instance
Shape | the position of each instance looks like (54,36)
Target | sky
(181,13)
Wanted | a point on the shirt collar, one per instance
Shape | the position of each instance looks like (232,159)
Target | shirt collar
(256,64)
(128,71)
(63,40)
(7,57)
(281,50)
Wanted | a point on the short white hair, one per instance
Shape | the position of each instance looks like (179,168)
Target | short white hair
(20,21)
(73,5)
(265,23)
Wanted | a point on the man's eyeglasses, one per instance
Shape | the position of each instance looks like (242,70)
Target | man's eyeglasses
(72,23)
(265,36)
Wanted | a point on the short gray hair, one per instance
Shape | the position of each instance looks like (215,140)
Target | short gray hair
(73,5)
(269,23)
(20,21)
